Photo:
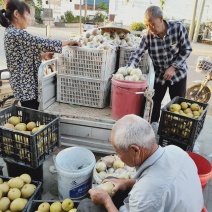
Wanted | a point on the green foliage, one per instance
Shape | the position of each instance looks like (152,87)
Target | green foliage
(99,17)
(38,10)
(68,17)
(162,4)
(137,26)
(103,6)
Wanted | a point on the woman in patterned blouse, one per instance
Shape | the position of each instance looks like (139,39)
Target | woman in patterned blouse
(24,52)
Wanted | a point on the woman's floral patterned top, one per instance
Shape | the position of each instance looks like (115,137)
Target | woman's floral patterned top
(23,55)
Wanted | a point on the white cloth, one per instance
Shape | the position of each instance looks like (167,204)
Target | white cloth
(167,181)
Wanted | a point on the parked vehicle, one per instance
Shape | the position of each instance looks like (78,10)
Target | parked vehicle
(89,25)
(79,125)
(200,90)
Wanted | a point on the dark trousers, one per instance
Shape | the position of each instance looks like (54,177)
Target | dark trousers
(86,205)
(177,89)
(32,104)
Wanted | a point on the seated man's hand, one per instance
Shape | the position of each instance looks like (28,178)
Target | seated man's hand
(120,184)
(98,196)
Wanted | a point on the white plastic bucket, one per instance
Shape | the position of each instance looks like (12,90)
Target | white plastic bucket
(74,168)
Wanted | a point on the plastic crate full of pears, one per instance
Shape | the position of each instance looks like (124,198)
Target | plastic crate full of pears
(181,122)
(28,137)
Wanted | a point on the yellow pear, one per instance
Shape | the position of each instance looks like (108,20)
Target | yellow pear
(17,182)
(67,204)
(188,110)
(73,210)
(190,115)
(34,130)
(10,126)
(31,125)
(196,113)
(56,207)
(14,120)
(1,181)
(118,164)
(14,193)
(194,106)
(4,203)
(201,110)
(184,105)
(1,193)
(44,207)
(18,204)
(41,127)
(174,107)
(108,187)
(27,190)
(21,127)
(26,178)
(5,188)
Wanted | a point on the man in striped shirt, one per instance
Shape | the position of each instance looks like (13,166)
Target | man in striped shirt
(168,46)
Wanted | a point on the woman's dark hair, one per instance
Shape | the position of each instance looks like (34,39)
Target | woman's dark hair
(6,15)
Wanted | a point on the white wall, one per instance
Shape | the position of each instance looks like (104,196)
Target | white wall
(134,10)
(61,6)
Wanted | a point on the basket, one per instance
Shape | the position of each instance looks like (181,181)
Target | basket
(36,195)
(33,205)
(125,53)
(166,140)
(176,128)
(204,64)
(29,150)
(84,62)
(82,91)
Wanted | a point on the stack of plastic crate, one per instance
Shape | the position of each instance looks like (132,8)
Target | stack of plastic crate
(84,76)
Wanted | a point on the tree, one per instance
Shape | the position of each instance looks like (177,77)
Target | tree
(103,6)
(162,4)
(38,10)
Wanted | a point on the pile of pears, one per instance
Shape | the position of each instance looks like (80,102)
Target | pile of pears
(15,193)
(22,142)
(14,123)
(66,205)
(186,109)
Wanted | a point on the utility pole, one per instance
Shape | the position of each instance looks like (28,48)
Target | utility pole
(191,28)
(48,27)
(86,5)
(80,16)
(94,5)
(196,33)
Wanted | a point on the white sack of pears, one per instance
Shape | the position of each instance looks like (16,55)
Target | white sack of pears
(130,74)
(112,166)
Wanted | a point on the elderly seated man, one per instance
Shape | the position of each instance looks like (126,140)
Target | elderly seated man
(166,178)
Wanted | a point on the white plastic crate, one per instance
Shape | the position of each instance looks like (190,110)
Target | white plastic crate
(84,62)
(82,91)
(125,53)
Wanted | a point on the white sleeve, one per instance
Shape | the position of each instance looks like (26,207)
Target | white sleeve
(123,209)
